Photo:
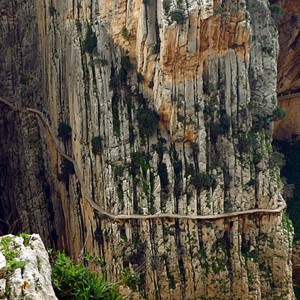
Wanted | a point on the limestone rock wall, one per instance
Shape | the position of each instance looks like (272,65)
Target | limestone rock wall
(29,196)
(25,271)
(208,69)
(288,20)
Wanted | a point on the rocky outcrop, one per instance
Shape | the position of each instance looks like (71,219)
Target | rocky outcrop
(169,104)
(25,271)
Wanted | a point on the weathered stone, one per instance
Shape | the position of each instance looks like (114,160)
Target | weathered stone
(34,280)
(211,76)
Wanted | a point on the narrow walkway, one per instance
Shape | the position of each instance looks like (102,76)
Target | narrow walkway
(40,116)
(289,96)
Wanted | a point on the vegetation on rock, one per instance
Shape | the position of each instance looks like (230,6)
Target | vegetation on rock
(97,144)
(74,281)
(147,121)
(177,15)
(64,131)
(202,181)
(125,33)
(67,169)
(11,254)
(90,42)
(278,114)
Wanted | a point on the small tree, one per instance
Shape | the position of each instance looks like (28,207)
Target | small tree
(163,175)
(277,12)
(276,160)
(278,114)
(90,42)
(177,15)
(125,34)
(140,78)
(166,6)
(225,123)
(202,181)
(195,148)
(64,131)
(148,121)
(67,169)
(52,10)
(125,62)
(97,144)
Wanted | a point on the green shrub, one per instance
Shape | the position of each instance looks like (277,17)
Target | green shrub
(247,143)
(195,148)
(90,42)
(74,281)
(177,15)
(114,82)
(276,9)
(257,157)
(278,114)
(52,10)
(11,255)
(163,175)
(139,160)
(64,131)
(190,170)
(78,25)
(151,84)
(166,6)
(103,62)
(130,279)
(125,33)
(67,169)
(215,131)
(147,121)
(202,181)
(197,107)
(120,193)
(140,78)
(118,171)
(208,87)
(276,160)
(211,105)
(97,144)
(225,123)
(115,114)
(26,238)
(125,62)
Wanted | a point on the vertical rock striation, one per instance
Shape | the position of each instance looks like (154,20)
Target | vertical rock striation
(110,70)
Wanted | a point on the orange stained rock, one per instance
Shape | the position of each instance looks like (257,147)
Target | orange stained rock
(212,35)
(24,285)
(166,111)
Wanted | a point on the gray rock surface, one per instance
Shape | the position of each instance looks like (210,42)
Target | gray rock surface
(211,77)
(28,275)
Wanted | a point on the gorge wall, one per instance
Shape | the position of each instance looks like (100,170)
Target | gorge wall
(170,105)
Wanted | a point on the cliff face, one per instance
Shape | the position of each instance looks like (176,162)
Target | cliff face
(287,16)
(289,38)
(169,105)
